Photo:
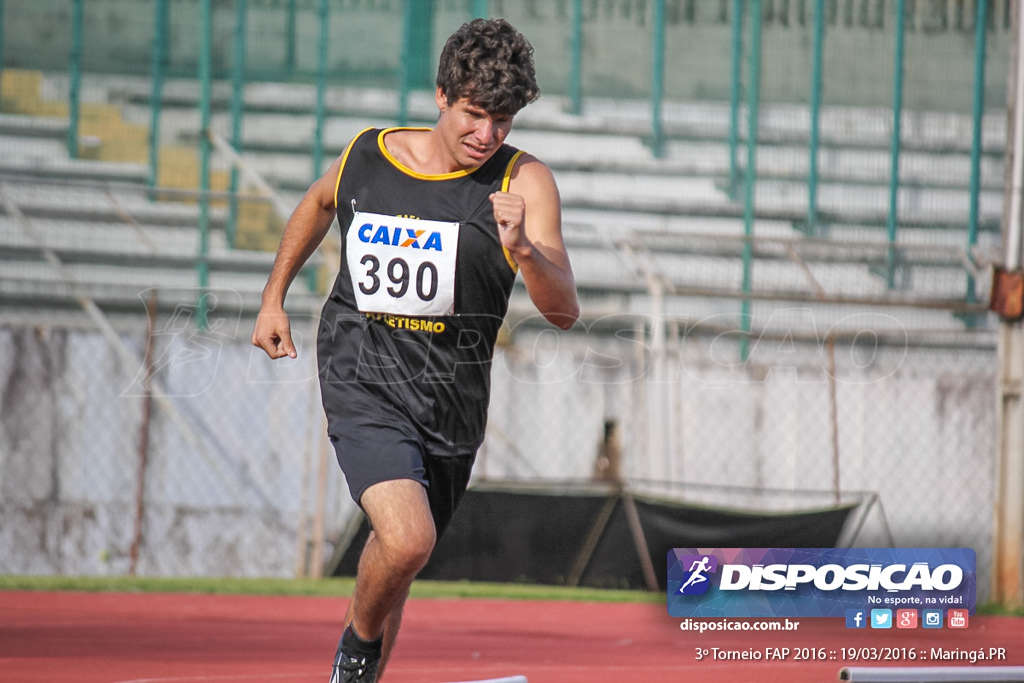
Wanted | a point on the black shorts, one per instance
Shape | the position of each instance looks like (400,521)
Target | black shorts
(371,451)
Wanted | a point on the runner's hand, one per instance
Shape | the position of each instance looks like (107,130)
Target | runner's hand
(510,214)
(273,334)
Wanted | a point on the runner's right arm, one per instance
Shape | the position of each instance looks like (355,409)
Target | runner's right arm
(306,229)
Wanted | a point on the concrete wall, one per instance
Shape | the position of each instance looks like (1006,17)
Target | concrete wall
(914,425)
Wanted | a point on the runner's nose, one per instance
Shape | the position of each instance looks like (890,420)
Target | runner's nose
(485,131)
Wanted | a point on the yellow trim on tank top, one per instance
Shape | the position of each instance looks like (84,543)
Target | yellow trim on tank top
(408,171)
(344,160)
(504,188)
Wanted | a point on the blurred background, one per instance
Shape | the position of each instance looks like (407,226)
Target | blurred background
(783,216)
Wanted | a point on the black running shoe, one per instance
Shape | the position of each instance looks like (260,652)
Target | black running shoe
(356,659)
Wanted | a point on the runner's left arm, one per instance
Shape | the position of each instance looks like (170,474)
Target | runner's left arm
(529,218)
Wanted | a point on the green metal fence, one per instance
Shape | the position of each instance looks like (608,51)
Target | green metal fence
(905,55)
(586,47)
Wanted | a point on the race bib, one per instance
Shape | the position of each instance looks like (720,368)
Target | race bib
(402,266)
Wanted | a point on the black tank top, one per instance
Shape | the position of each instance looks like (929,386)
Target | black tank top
(433,372)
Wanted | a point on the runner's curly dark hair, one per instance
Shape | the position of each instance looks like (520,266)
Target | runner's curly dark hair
(489,62)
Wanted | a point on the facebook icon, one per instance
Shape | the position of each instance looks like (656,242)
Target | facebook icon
(856,618)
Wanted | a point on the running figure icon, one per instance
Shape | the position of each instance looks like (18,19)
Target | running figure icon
(697,570)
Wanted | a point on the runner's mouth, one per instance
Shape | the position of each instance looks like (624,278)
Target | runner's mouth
(476,150)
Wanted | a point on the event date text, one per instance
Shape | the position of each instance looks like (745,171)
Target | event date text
(852,654)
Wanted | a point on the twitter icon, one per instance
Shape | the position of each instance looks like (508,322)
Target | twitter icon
(881,618)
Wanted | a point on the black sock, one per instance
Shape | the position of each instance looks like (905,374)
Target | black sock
(353,644)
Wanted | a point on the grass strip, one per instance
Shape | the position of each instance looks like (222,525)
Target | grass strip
(342,587)
(328,587)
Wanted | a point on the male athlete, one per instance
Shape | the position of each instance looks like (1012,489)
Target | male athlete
(436,223)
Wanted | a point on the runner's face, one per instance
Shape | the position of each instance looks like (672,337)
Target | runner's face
(471,135)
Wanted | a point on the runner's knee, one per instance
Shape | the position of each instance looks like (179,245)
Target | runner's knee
(408,546)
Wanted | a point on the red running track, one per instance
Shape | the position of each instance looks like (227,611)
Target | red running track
(165,638)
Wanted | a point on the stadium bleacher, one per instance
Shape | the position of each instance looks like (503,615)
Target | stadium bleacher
(628,215)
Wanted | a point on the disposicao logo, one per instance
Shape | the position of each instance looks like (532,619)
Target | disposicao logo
(782,582)
(696,580)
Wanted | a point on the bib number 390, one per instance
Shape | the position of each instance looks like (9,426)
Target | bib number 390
(402,266)
(398,273)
